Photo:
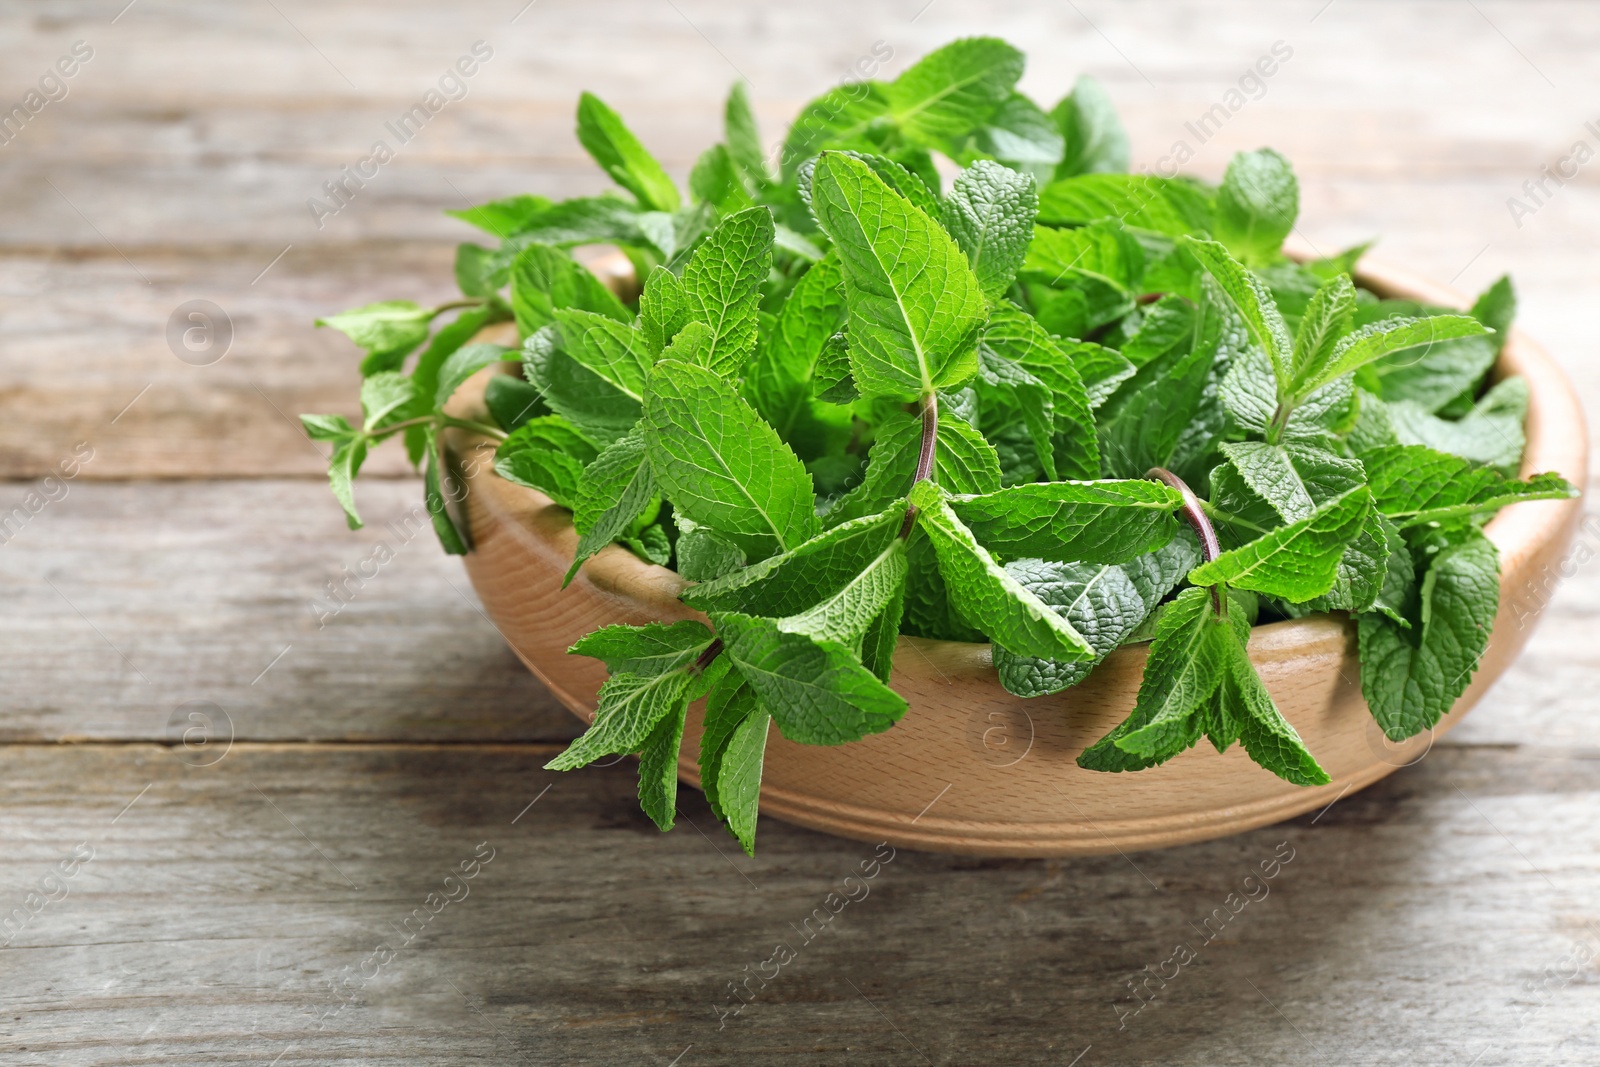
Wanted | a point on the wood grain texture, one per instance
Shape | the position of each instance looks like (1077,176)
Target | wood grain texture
(218,908)
(1003,768)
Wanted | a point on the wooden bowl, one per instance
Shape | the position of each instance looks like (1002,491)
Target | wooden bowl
(973,769)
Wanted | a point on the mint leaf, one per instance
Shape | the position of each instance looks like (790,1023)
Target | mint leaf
(505,217)
(953,90)
(599,409)
(790,583)
(1158,205)
(512,401)
(1265,734)
(1105,603)
(1094,140)
(343,466)
(1327,319)
(658,768)
(816,690)
(704,554)
(895,175)
(473,270)
(1139,427)
(1256,206)
(612,492)
(388,330)
(544,279)
(1491,433)
(722,284)
(546,454)
(1256,308)
(1294,478)
(383,396)
(1019,135)
(452,539)
(462,364)
(1363,569)
(982,591)
(614,350)
(652,649)
(1412,677)
(1496,307)
(1296,562)
(1089,522)
(914,304)
(663,308)
(990,213)
(619,153)
(720,464)
(781,375)
(1165,325)
(731,756)
(1414,485)
(715,180)
(630,707)
(1012,338)
(1383,339)
(846,116)
(849,612)
(743,136)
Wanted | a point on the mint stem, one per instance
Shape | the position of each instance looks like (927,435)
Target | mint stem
(925,457)
(713,650)
(1195,511)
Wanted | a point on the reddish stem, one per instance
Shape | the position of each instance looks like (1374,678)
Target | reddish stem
(925,457)
(1195,512)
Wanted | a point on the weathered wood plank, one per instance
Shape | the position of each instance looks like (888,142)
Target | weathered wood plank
(127,602)
(217,909)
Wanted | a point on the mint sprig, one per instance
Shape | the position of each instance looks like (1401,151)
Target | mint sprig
(1059,407)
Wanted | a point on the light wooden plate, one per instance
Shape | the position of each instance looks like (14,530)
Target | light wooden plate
(973,769)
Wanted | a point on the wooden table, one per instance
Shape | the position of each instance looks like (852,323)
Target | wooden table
(255,808)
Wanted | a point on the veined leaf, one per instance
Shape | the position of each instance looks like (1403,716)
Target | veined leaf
(914,303)
(990,213)
(845,116)
(1094,140)
(1381,339)
(504,217)
(1327,319)
(1295,479)
(1141,201)
(601,410)
(720,464)
(619,153)
(982,591)
(613,491)
(731,756)
(1414,485)
(614,350)
(648,650)
(721,286)
(544,279)
(1090,522)
(953,90)
(1296,562)
(963,463)
(1256,205)
(630,707)
(780,378)
(1254,304)
(743,136)
(1011,336)
(547,454)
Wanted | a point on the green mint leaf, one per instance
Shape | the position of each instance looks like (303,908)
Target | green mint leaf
(328,427)
(512,401)
(1101,261)
(1105,603)
(1297,562)
(816,690)
(846,116)
(619,153)
(1266,735)
(953,90)
(893,174)
(963,463)
(1257,204)
(599,409)
(743,136)
(878,644)
(1139,427)
(454,540)
(1255,306)
(704,554)
(1363,569)
(1380,340)
(613,491)
(651,544)
(462,364)
(1491,433)
(658,768)
(990,213)
(1414,485)
(1020,135)
(914,303)
(1496,307)
(1398,590)
(721,465)
(790,583)
(449,340)
(984,594)
(1165,325)
(547,454)
(630,708)
(545,279)
(1412,677)
(715,180)
(1015,339)
(581,220)
(388,330)
(504,217)
(614,350)
(382,395)
(832,381)
(1094,140)
(1089,522)
(473,270)
(1010,397)
(343,466)
(731,756)
(663,308)
(1187,659)
(1295,479)
(722,285)
(846,614)
(786,363)
(1167,206)
(648,650)
(1327,319)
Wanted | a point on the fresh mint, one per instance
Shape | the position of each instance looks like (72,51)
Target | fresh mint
(1053,406)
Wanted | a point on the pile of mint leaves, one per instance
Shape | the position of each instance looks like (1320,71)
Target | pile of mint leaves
(1048,404)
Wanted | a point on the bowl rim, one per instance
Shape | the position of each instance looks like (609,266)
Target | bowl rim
(1556,435)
